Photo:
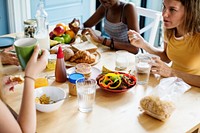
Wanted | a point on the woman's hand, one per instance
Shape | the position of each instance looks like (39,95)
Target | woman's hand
(91,32)
(9,58)
(8,85)
(136,39)
(36,64)
(159,67)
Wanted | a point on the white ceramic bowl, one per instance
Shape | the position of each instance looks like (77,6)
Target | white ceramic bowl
(55,93)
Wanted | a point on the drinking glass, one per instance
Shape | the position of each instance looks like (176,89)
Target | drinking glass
(86,90)
(142,68)
(121,61)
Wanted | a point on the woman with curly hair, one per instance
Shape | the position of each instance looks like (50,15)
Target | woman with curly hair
(119,17)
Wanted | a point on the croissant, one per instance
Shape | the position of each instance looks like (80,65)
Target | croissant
(83,57)
(87,59)
(79,54)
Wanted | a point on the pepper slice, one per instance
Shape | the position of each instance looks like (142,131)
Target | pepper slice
(110,80)
(129,79)
(105,82)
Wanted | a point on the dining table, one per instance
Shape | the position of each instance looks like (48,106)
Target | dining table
(112,112)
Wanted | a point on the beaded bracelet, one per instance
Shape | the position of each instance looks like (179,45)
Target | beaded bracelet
(104,41)
(29,77)
(112,44)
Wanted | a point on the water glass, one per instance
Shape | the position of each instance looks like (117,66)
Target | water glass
(86,90)
(121,61)
(142,68)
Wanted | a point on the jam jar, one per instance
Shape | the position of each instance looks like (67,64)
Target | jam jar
(30,26)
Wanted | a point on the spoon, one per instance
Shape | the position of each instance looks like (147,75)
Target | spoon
(52,101)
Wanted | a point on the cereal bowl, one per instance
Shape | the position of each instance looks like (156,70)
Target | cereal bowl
(49,98)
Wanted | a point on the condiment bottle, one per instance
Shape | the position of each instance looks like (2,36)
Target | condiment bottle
(42,33)
(60,71)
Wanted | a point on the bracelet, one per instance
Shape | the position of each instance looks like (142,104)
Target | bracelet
(29,77)
(104,41)
(112,44)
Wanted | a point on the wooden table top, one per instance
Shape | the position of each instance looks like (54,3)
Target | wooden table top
(112,113)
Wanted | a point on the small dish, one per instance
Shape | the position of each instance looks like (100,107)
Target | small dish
(54,93)
(128,81)
(6,42)
(94,72)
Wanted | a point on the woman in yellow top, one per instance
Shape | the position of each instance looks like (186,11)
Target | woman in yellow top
(26,121)
(181,41)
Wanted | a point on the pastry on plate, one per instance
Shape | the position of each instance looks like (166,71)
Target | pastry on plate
(83,57)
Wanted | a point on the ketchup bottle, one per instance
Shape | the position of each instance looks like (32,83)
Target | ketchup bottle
(60,71)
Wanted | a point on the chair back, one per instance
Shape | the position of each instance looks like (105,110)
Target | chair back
(153,25)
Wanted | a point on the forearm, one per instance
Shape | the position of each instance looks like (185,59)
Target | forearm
(121,45)
(188,78)
(156,51)
(27,114)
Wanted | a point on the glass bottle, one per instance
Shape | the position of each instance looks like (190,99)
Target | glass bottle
(42,34)
(60,71)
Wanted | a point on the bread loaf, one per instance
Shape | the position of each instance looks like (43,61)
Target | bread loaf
(68,53)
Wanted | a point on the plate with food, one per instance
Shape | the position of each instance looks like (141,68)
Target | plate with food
(74,54)
(116,82)
(85,69)
(83,57)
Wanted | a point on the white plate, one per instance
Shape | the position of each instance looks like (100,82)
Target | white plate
(95,72)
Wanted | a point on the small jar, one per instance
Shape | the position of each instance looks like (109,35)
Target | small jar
(72,82)
(51,62)
(30,27)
